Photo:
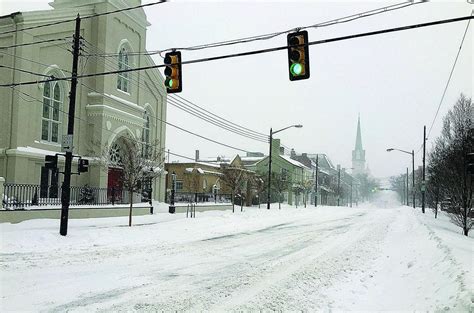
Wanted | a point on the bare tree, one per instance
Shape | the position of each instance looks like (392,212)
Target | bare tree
(139,162)
(192,182)
(233,178)
(447,171)
(307,186)
(398,184)
(257,182)
(280,183)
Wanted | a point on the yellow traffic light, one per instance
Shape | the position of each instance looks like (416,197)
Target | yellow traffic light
(173,80)
(298,55)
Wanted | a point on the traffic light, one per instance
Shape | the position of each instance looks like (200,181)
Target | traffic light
(51,161)
(298,55)
(470,163)
(173,81)
(83,166)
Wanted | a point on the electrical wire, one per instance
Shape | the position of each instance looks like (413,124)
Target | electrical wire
(255,52)
(450,75)
(202,113)
(26,71)
(340,20)
(84,17)
(34,99)
(447,82)
(34,43)
(186,131)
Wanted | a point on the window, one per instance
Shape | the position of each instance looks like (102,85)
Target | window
(123,79)
(146,136)
(284,174)
(179,185)
(115,156)
(52,105)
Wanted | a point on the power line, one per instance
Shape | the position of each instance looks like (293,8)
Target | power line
(202,113)
(85,17)
(340,20)
(447,82)
(175,126)
(214,122)
(25,71)
(450,75)
(34,43)
(125,9)
(261,51)
(192,103)
(318,25)
(34,99)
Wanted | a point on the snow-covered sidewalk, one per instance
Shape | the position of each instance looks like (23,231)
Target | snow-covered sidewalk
(290,259)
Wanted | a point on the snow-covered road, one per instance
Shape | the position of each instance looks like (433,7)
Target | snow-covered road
(293,259)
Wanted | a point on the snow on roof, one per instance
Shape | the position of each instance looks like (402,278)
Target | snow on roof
(209,164)
(294,162)
(212,172)
(252,159)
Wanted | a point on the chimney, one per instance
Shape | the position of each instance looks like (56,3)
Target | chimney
(293,153)
(282,150)
(197,155)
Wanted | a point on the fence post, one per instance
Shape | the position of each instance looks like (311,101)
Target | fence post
(2,181)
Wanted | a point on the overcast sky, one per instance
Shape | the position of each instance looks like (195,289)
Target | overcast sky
(395,81)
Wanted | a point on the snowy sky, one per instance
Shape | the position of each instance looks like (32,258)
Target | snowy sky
(395,81)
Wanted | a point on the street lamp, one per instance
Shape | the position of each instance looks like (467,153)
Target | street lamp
(413,169)
(270,159)
(172,208)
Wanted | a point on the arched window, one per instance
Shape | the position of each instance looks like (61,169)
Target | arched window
(146,134)
(52,105)
(123,79)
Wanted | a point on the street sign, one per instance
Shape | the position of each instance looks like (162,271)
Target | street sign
(423,186)
(66,144)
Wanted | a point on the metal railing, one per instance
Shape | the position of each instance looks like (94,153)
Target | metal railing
(192,197)
(21,196)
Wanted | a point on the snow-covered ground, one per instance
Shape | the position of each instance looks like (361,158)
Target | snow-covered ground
(375,257)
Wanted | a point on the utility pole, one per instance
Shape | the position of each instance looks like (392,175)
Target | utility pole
(351,190)
(316,182)
(407,188)
(338,184)
(423,186)
(269,170)
(413,175)
(66,188)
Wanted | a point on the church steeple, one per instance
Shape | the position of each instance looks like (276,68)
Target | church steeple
(358,154)
(358,145)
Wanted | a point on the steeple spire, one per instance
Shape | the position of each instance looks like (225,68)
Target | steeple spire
(358,145)
(358,154)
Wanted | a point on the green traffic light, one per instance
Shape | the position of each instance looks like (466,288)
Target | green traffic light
(296,69)
(170,83)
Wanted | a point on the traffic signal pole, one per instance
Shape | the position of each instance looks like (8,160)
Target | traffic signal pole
(65,190)
(423,185)
(269,170)
(316,182)
(413,176)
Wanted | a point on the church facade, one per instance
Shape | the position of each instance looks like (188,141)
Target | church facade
(34,118)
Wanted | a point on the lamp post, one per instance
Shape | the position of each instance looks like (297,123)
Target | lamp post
(172,208)
(270,160)
(316,182)
(413,171)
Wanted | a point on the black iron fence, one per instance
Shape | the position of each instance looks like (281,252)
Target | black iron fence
(191,197)
(20,196)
